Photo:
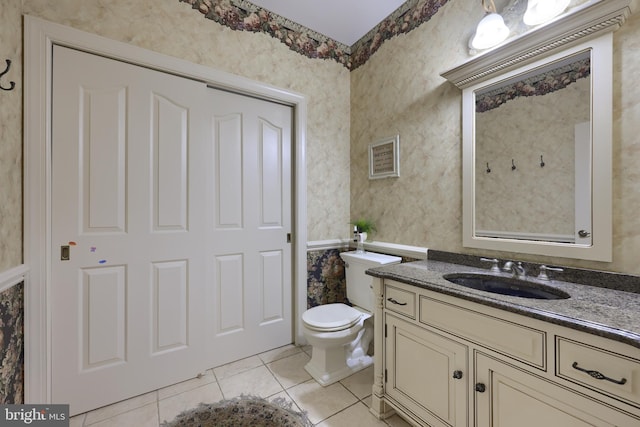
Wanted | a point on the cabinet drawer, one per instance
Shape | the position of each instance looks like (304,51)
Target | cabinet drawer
(598,369)
(400,301)
(511,339)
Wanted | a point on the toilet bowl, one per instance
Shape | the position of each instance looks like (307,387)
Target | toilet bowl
(340,334)
(335,333)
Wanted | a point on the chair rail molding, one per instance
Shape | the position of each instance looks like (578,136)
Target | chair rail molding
(12,277)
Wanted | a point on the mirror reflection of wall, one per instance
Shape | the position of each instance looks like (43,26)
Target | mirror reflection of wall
(525,122)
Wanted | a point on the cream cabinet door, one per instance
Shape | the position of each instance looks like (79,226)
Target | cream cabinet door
(506,396)
(426,373)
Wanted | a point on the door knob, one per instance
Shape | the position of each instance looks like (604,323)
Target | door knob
(480,388)
(457,374)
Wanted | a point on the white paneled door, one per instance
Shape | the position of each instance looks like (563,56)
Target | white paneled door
(170,214)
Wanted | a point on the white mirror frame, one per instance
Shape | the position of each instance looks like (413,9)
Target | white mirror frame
(601,185)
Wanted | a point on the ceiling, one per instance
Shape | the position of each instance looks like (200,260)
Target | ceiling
(345,21)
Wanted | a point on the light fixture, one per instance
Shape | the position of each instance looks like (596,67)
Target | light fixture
(491,29)
(541,11)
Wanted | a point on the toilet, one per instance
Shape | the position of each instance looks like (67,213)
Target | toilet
(340,334)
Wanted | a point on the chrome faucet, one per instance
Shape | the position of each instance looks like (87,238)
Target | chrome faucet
(516,269)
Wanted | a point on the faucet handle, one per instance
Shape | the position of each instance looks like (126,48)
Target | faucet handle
(507,266)
(494,267)
(543,272)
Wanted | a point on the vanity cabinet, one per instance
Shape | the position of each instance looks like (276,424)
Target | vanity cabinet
(509,396)
(446,361)
(426,372)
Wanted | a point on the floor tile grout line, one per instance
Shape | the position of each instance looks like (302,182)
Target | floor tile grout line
(157,395)
(84,422)
(285,389)
(268,397)
(262,362)
(276,378)
(335,413)
(340,411)
(300,409)
(158,407)
(354,395)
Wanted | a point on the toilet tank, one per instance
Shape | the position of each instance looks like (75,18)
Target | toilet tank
(359,284)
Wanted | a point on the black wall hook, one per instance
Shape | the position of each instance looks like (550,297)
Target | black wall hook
(541,161)
(488,168)
(6,70)
(513,165)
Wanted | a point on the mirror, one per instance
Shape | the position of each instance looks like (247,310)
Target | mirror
(542,114)
(537,156)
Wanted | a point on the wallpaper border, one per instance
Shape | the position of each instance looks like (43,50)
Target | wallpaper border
(242,15)
(538,85)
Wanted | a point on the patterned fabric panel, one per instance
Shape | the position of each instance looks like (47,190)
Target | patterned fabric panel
(11,345)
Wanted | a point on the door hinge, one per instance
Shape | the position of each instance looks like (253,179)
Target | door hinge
(385,330)
(385,375)
(288,237)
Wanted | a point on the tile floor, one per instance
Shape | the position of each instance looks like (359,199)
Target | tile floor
(276,373)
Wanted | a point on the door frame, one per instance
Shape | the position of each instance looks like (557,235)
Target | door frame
(39,37)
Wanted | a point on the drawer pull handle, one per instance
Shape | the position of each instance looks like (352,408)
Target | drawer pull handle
(457,375)
(396,302)
(481,388)
(597,375)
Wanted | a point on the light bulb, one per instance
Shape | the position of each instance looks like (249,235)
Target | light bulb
(541,11)
(491,31)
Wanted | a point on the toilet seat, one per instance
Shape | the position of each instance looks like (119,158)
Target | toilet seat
(331,317)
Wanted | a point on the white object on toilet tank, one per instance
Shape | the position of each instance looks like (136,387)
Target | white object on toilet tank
(359,284)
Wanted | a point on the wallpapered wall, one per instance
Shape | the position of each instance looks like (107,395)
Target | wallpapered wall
(174,28)
(397,91)
(11,136)
(177,29)
(12,299)
(400,91)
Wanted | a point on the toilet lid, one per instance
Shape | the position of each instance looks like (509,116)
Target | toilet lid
(331,317)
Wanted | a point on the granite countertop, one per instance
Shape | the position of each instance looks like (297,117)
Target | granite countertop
(608,313)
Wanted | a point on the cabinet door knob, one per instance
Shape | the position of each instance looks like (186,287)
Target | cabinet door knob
(457,374)
(480,388)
